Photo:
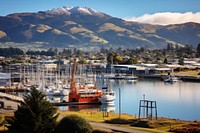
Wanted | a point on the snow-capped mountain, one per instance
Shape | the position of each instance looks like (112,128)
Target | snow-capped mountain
(66,26)
(59,11)
(75,10)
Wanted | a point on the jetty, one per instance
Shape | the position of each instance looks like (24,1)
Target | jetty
(10,97)
(9,103)
(190,78)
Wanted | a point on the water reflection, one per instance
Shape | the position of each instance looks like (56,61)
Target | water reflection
(87,107)
(107,108)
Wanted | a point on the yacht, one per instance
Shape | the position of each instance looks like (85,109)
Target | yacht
(108,96)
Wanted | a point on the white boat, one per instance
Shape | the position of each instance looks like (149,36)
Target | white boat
(130,77)
(56,92)
(171,79)
(108,96)
(123,77)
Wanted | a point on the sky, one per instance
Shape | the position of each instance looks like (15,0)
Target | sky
(146,11)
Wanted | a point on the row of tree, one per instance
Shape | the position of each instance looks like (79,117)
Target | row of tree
(114,58)
(9,52)
(12,52)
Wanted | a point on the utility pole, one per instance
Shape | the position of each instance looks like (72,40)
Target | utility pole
(119,102)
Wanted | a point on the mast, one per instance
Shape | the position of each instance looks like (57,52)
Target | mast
(73,89)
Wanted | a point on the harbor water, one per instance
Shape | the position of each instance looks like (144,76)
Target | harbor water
(179,100)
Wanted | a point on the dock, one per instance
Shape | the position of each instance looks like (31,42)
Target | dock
(153,77)
(190,78)
(75,103)
(9,103)
(10,97)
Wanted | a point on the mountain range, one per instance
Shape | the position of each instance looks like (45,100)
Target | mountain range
(82,26)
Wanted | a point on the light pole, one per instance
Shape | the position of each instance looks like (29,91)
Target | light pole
(119,102)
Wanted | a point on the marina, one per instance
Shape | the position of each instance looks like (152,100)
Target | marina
(100,66)
(178,100)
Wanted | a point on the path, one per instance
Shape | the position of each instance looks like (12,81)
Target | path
(117,128)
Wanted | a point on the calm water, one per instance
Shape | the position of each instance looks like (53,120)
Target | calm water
(180,100)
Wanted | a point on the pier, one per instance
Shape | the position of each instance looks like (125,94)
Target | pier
(9,102)
(190,78)
(10,97)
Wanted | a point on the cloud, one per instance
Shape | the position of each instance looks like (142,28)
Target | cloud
(166,18)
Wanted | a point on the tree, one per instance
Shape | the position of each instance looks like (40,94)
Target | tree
(165,61)
(170,46)
(198,49)
(181,61)
(10,52)
(110,58)
(82,61)
(131,61)
(73,124)
(34,115)
(118,59)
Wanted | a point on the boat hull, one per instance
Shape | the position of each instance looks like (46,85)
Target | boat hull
(108,96)
(107,100)
(85,97)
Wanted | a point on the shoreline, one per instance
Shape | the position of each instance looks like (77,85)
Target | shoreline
(126,121)
(161,77)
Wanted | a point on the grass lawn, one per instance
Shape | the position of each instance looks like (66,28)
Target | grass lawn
(160,125)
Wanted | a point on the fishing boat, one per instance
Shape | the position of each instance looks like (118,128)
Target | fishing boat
(108,96)
(83,93)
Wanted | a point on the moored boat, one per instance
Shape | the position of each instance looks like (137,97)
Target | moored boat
(171,79)
(83,94)
(108,96)
(123,77)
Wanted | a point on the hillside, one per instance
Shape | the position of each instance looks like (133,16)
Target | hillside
(82,26)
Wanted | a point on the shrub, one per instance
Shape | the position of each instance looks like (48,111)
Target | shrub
(73,124)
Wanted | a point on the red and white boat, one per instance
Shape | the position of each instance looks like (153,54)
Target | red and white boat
(83,93)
